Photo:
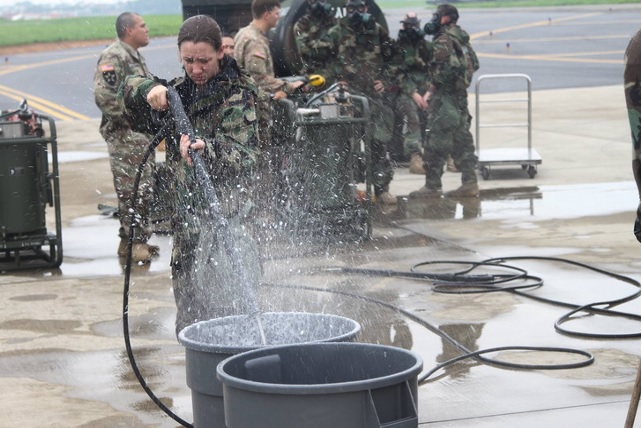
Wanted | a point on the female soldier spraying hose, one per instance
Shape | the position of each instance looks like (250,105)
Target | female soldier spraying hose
(219,100)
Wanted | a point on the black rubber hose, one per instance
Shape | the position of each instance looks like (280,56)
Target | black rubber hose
(128,263)
(466,353)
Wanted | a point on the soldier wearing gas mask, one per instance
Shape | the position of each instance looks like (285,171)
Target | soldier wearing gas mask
(413,54)
(362,58)
(451,70)
(310,35)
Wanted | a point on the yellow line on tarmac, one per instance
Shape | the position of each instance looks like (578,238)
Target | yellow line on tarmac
(551,39)
(534,24)
(43,105)
(52,109)
(17,68)
(547,57)
(550,58)
(44,63)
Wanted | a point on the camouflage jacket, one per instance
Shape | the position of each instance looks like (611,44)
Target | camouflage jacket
(116,62)
(252,51)
(412,59)
(314,47)
(223,115)
(361,57)
(453,61)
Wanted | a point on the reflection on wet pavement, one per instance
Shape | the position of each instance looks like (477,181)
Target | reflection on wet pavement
(534,203)
(85,257)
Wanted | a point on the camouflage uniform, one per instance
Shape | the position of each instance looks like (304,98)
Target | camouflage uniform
(252,52)
(314,48)
(126,147)
(632,96)
(448,115)
(412,58)
(223,115)
(361,57)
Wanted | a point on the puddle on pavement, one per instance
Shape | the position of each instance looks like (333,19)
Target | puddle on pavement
(533,203)
(96,256)
(71,156)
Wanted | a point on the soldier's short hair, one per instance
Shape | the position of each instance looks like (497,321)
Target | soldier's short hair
(200,28)
(124,21)
(259,7)
(448,10)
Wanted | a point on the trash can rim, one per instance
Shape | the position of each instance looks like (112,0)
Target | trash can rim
(237,349)
(318,389)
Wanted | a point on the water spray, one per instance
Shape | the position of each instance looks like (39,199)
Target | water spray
(184,127)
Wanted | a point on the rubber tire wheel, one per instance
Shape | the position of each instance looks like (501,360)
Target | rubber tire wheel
(532,171)
(485,172)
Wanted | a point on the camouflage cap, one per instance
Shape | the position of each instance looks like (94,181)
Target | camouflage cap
(411,19)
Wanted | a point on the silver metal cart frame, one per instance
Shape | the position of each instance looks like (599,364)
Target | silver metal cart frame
(527,157)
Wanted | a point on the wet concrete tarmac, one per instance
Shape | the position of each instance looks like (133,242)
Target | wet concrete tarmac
(63,361)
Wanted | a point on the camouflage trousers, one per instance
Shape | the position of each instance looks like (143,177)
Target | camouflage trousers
(126,152)
(381,121)
(449,124)
(411,122)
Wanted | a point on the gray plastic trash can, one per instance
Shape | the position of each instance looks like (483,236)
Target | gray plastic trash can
(207,343)
(321,385)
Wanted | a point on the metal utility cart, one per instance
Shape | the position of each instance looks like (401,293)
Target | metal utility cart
(27,186)
(527,157)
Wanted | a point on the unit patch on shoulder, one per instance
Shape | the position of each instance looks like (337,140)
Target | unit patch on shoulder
(109,74)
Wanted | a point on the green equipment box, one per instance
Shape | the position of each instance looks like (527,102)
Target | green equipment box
(28,185)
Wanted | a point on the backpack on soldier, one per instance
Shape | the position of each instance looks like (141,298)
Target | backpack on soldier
(472,64)
(468,58)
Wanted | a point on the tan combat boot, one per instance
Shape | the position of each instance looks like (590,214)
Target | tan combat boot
(468,190)
(416,164)
(141,251)
(386,198)
(425,193)
(122,248)
(450,165)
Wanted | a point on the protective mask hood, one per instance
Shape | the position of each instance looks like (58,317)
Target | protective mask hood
(359,20)
(413,34)
(321,9)
(434,25)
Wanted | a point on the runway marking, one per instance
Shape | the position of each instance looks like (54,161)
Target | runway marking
(551,39)
(552,58)
(52,109)
(564,57)
(17,68)
(534,24)
(48,107)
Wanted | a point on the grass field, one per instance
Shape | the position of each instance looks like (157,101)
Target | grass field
(16,33)
(74,29)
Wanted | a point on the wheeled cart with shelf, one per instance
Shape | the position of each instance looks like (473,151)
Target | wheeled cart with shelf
(526,157)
